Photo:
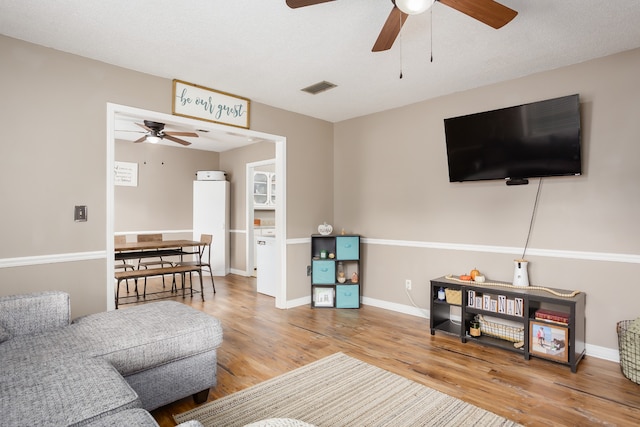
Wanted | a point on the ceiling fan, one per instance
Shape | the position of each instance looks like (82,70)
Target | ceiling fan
(488,12)
(155,132)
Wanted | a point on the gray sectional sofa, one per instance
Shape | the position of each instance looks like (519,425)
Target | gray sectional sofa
(103,369)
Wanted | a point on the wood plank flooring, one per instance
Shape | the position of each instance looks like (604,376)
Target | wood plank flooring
(261,342)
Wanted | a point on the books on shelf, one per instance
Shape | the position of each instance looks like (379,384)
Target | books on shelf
(553,316)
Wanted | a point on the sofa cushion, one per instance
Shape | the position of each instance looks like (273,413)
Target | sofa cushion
(33,313)
(132,339)
(137,338)
(62,392)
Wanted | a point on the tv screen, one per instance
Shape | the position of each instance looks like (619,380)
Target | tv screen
(527,141)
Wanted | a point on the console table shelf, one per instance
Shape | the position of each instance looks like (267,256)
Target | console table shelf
(534,322)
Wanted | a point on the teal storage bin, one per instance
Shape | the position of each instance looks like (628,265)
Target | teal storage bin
(347,296)
(348,247)
(324,272)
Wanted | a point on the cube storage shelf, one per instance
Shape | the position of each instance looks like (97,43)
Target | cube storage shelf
(526,327)
(326,290)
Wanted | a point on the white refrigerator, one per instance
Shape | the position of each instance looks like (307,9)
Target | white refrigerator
(211,216)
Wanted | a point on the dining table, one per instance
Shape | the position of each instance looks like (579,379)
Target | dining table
(152,249)
(136,250)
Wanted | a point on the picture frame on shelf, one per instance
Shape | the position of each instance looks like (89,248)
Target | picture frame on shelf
(323,296)
(548,341)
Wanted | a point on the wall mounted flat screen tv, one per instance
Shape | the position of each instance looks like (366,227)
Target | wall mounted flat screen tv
(527,141)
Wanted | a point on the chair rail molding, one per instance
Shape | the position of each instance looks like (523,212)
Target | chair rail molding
(51,259)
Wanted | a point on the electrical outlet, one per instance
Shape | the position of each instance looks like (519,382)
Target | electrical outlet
(407,284)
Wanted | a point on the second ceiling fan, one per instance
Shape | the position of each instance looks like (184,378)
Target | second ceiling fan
(155,132)
(488,12)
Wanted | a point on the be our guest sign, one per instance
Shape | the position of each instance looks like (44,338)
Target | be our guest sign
(198,102)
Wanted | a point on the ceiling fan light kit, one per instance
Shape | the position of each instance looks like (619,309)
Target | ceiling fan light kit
(414,7)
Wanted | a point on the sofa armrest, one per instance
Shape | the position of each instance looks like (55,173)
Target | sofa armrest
(31,313)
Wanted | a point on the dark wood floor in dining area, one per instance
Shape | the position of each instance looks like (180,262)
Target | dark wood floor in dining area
(261,342)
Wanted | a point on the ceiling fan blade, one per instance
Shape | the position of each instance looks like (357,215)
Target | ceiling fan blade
(145,127)
(488,12)
(141,139)
(294,4)
(390,30)
(172,133)
(178,140)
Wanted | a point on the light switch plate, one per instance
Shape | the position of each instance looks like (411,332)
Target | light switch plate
(80,214)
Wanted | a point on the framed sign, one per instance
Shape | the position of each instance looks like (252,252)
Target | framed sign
(548,341)
(202,103)
(125,174)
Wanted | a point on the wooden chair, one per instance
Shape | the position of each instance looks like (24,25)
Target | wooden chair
(125,265)
(152,262)
(200,262)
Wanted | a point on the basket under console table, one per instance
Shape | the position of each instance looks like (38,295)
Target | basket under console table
(544,323)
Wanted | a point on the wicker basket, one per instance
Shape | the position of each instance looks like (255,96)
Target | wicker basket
(501,330)
(454,296)
(629,346)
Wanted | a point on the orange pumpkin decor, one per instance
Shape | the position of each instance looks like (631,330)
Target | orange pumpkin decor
(474,273)
(465,277)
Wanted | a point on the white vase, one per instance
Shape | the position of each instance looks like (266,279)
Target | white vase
(520,275)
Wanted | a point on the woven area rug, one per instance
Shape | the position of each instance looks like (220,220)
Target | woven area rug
(342,391)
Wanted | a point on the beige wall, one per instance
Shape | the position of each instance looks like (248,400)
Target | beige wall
(391,185)
(53,156)
(163,199)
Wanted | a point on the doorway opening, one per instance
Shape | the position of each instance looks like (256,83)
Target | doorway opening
(261,206)
(117,113)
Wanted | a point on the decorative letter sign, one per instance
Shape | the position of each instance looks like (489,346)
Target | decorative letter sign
(198,102)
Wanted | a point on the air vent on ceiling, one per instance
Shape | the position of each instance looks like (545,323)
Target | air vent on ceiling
(315,89)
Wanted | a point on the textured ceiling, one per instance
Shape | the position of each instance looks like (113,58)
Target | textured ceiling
(267,52)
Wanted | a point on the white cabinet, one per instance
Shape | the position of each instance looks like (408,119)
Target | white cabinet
(211,216)
(272,189)
(264,190)
(266,263)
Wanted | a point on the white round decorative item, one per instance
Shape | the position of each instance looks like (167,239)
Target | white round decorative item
(479,278)
(520,275)
(325,229)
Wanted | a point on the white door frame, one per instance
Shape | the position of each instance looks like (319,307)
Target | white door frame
(250,168)
(113,110)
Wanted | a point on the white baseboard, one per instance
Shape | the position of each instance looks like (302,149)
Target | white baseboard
(298,302)
(239,272)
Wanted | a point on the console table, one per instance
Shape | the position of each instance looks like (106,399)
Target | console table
(548,324)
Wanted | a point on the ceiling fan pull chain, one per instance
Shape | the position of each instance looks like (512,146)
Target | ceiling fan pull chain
(400,17)
(431,31)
